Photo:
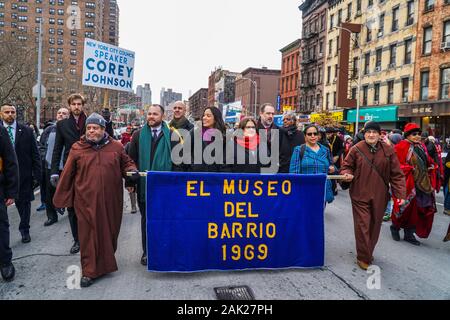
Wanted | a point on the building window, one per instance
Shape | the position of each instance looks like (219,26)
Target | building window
(329,75)
(330,47)
(429,5)
(392,55)
(424,83)
(328,101)
(365,94)
(444,84)
(395,19)
(331,21)
(446,34)
(378,60)
(405,89)
(349,11)
(427,40)
(376,93)
(408,51)
(410,13)
(366,63)
(390,97)
(368,34)
(381,30)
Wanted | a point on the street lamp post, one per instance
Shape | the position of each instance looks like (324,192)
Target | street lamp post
(358,102)
(256,94)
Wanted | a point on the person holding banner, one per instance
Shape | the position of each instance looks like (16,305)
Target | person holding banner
(371,166)
(151,148)
(92,183)
(246,143)
(313,158)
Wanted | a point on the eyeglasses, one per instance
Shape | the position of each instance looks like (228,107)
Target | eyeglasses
(310,134)
(415,134)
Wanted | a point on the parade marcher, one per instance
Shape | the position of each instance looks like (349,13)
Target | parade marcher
(106,114)
(447,193)
(179,120)
(267,124)
(337,149)
(292,138)
(9,190)
(48,144)
(126,136)
(25,146)
(68,132)
(394,139)
(246,152)
(348,143)
(92,183)
(313,158)
(435,151)
(212,127)
(418,213)
(150,148)
(371,165)
(43,181)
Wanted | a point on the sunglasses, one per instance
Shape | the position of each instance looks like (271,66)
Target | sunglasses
(311,134)
(415,134)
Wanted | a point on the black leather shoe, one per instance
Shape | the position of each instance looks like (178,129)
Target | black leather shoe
(75,248)
(86,282)
(409,237)
(8,272)
(144,260)
(395,233)
(50,222)
(26,238)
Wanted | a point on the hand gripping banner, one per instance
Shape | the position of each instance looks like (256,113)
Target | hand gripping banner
(205,222)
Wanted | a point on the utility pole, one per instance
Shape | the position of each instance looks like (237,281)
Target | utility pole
(39,79)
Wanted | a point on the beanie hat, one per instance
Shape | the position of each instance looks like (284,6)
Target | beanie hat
(372,125)
(347,137)
(395,138)
(95,118)
(410,128)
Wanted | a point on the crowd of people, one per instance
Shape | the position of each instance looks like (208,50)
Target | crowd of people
(82,168)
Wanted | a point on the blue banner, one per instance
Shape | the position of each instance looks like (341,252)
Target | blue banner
(200,222)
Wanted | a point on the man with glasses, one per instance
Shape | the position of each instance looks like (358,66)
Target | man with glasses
(371,165)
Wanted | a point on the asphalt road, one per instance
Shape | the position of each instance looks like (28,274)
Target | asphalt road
(406,271)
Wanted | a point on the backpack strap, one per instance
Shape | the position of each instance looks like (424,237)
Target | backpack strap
(302,152)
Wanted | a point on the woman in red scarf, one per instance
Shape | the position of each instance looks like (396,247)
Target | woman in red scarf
(246,143)
(417,214)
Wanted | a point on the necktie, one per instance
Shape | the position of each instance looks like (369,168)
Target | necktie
(11,136)
(155,135)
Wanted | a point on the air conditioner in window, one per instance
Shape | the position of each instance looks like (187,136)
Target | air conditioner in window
(445,45)
(405,99)
(380,34)
(377,69)
(391,66)
(320,54)
(334,80)
(376,102)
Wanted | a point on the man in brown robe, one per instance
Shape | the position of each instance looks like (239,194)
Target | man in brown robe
(92,183)
(371,166)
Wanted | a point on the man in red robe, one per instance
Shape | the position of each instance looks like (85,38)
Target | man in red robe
(92,183)
(417,214)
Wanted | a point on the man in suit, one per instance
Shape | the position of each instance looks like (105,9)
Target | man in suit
(9,190)
(25,145)
(68,132)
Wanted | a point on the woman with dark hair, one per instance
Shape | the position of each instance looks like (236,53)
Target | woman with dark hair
(245,144)
(212,129)
(313,158)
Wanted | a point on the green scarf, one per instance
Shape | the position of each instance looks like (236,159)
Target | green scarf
(178,123)
(162,160)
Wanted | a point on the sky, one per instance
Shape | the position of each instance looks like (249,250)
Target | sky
(178,43)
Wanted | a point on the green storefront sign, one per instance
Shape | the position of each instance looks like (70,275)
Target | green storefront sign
(383,114)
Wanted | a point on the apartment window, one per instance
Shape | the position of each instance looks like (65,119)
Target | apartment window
(429,5)
(334,100)
(337,45)
(395,19)
(366,63)
(319,75)
(408,51)
(329,75)
(376,93)
(427,40)
(339,17)
(330,47)
(321,47)
(318,100)
(405,89)
(322,22)
(349,11)
(392,54)
(379,53)
(331,21)
(410,13)
(369,3)
(424,83)
(368,34)
(328,100)
(446,34)
(390,97)
(365,94)
(355,67)
(444,84)
(358,7)
(336,69)
(381,24)
(353,93)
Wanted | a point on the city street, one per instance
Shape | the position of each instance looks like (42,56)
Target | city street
(407,272)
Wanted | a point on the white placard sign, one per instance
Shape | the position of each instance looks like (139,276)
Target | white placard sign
(107,66)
